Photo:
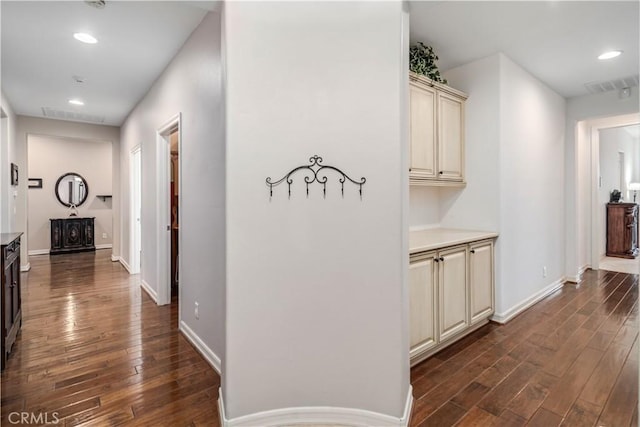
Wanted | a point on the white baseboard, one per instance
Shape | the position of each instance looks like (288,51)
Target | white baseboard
(25,267)
(115,258)
(39,252)
(202,348)
(324,415)
(105,246)
(577,279)
(124,264)
(523,305)
(148,289)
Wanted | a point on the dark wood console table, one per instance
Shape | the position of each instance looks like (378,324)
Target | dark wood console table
(72,234)
(10,298)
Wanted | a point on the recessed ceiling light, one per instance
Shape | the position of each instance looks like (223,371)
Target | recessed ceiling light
(610,54)
(76,102)
(85,38)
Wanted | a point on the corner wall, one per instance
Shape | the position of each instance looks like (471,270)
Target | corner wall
(316,287)
(191,85)
(8,155)
(531,248)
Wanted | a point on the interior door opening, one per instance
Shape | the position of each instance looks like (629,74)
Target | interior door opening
(168,190)
(174,192)
(136,209)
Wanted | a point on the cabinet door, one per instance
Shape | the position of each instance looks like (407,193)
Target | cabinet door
(452,290)
(450,137)
(422,303)
(423,132)
(481,288)
(7,309)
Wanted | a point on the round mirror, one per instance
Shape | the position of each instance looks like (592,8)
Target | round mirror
(72,189)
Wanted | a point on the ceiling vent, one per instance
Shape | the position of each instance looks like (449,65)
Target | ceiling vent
(98,4)
(70,115)
(609,85)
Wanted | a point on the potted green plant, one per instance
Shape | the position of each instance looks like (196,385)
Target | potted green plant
(422,60)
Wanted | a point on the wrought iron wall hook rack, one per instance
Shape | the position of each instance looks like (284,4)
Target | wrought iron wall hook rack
(315,172)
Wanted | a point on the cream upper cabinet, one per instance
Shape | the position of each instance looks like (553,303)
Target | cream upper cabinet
(423,131)
(436,134)
(481,279)
(452,290)
(451,136)
(422,300)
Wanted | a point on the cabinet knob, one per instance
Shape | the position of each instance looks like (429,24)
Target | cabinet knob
(473,251)
(436,259)
(442,259)
(441,172)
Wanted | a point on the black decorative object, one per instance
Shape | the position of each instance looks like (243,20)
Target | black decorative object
(14,174)
(35,182)
(615,196)
(315,172)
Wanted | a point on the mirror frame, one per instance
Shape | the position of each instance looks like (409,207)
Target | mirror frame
(86,186)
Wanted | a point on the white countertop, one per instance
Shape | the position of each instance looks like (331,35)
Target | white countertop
(436,238)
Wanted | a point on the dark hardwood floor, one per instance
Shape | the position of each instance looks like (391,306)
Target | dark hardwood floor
(96,350)
(570,360)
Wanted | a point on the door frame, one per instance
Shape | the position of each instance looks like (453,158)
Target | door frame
(594,128)
(135,256)
(163,208)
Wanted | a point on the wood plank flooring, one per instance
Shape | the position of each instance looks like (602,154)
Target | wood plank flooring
(96,350)
(570,360)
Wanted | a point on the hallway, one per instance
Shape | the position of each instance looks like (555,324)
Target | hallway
(95,349)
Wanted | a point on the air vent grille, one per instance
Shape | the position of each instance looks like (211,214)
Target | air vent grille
(609,85)
(52,113)
(98,4)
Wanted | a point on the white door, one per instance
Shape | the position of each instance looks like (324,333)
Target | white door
(136,208)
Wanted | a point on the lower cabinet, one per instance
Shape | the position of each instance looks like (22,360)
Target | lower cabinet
(451,293)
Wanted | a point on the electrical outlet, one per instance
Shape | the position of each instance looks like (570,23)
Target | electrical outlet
(544,271)
(104,235)
(196,312)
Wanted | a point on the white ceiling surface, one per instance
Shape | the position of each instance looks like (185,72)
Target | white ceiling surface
(556,41)
(136,41)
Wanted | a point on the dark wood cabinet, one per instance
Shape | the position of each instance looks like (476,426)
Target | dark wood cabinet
(10,298)
(622,230)
(73,234)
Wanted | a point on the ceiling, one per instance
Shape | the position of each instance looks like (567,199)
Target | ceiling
(136,41)
(556,41)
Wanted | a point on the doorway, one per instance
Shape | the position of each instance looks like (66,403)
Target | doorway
(136,209)
(168,192)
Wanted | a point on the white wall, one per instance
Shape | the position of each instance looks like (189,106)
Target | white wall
(32,126)
(424,207)
(532,125)
(91,160)
(612,142)
(578,163)
(8,155)
(190,85)
(515,175)
(477,205)
(316,288)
